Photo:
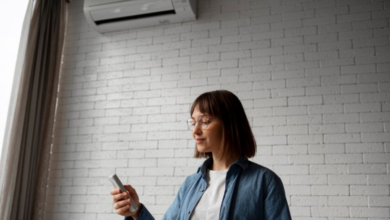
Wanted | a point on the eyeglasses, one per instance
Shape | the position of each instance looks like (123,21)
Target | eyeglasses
(203,122)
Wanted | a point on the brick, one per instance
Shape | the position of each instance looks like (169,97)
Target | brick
(375,117)
(326,148)
(259,112)
(373,78)
(325,109)
(288,74)
(356,34)
(300,48)
(340,118)
(328,169)
(308,100)
(323,90)
(330,211)
(370,212)
(305,139)
(343,158)
(366,168)
(309,119)
(242,62)
(331,28)
(376,158)
(327,129)
(306,159)
(297,190)
(309,39)
(299,200)
(299,110)
(277,59)
(348,200)
(352,17)
(291,169)
(329,11)
(369,190)
(319,21)
(301,65)
(383,201)
(339,190)
(336,80)
(375,97)
(290,149)
(287,92)
(359,52)
(370,24)
(384,87)
(270,84)
(341,138)
(205,26)
(272,159)
(375,137)
(364,148)
(356,69)
(275,42)
(364,127)
(272,140)
(255,77)
(378,179)
(378,41)
(159,171)
(300,82)
(266,121)
(347,179)
(359,88)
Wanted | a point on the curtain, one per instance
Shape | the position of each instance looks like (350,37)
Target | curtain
(25,170)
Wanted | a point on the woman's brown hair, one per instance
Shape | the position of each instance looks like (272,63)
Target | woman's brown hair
(237,136)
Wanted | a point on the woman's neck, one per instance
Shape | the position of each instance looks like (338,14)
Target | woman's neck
(221,163)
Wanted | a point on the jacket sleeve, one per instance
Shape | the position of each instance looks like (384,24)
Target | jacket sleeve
(144,214)
(276,207)
(171,214)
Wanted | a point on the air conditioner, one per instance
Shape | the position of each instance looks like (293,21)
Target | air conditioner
(115,15)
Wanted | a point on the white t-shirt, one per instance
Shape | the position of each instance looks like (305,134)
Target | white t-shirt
(209,205)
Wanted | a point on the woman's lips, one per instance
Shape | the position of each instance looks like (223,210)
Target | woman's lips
(199,140)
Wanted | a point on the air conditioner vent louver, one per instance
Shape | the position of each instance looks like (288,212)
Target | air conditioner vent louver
(133,17)
(115,15)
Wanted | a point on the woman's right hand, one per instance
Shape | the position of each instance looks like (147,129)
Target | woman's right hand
(122,203)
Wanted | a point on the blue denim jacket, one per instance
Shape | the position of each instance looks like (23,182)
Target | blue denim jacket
(252,192)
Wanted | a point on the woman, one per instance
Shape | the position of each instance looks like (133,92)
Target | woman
(227,185)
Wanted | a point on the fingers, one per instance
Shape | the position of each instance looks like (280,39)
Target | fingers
(119,197)
(121,204)
(123,209)
(129,188)
(122,201)
(115,191)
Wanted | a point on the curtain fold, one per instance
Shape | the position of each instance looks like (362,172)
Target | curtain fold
(27,159)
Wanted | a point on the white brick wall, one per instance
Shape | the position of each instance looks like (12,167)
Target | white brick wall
(314,77)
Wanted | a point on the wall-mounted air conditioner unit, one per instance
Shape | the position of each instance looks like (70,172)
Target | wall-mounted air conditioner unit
(115,15)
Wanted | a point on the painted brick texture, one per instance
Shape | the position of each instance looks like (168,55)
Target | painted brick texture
(314,78)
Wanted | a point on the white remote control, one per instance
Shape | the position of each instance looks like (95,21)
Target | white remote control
(118,184)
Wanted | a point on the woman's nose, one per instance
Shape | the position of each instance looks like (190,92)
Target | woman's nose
(197,129)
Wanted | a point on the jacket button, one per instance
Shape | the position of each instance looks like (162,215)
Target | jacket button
(188,212)
(201,190)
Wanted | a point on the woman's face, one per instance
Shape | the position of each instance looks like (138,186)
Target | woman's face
(210,139)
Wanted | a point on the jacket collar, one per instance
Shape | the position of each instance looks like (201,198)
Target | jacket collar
(240,162)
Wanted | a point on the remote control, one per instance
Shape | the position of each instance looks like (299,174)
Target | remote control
(118,184)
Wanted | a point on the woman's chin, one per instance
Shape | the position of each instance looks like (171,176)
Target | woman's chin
(201,149)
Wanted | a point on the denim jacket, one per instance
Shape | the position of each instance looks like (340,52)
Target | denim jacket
(251,192)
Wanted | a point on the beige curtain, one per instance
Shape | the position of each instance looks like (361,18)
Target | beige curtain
(25,171)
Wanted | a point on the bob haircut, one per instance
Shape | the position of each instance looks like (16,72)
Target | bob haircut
(238,140)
